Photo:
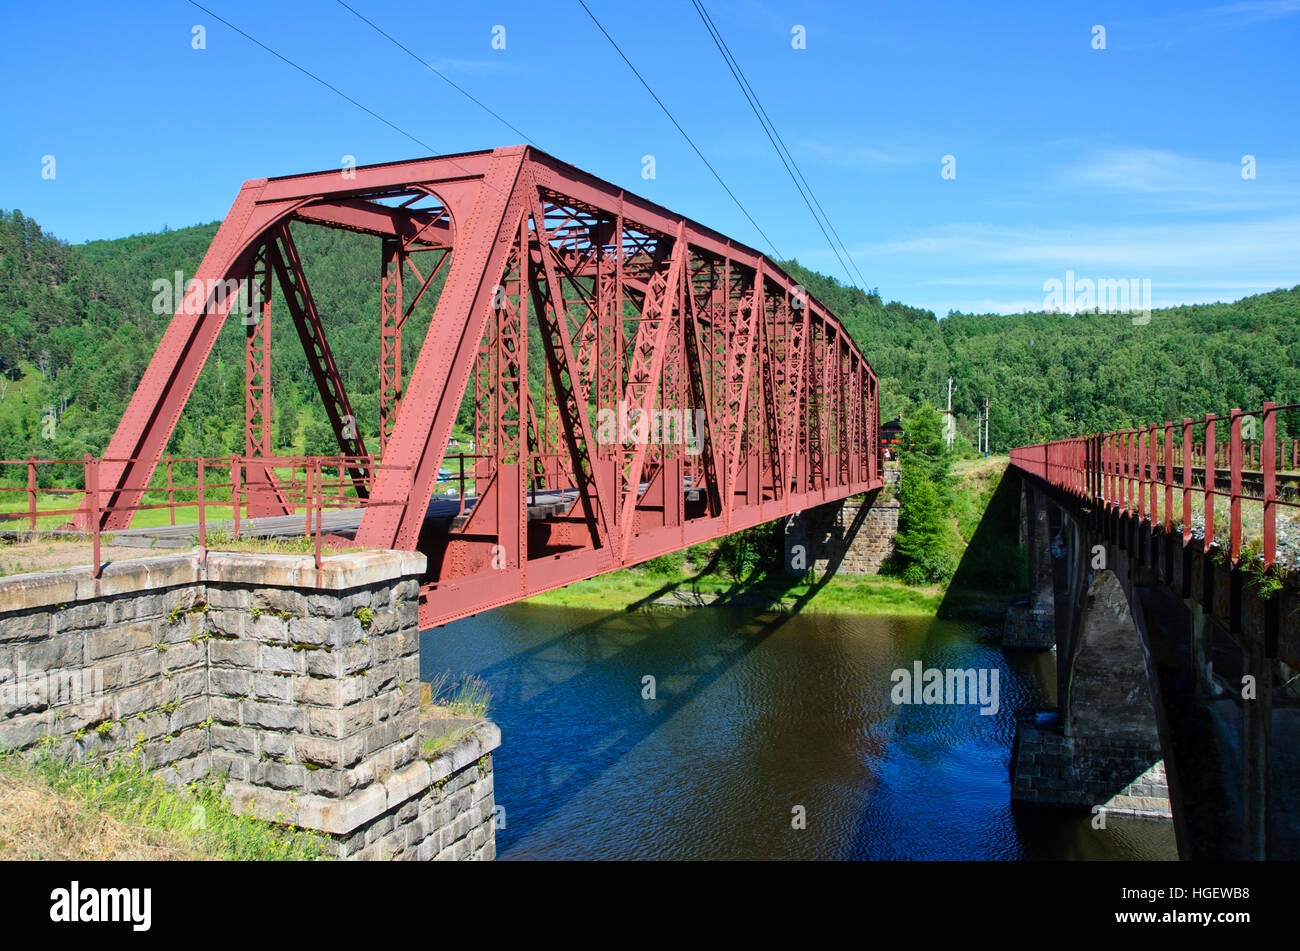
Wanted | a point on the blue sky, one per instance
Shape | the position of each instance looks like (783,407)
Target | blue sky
(1116,163)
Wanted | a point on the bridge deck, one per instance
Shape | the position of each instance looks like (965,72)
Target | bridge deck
(442,512)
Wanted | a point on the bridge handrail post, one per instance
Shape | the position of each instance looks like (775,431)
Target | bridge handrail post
(1141,474)
(92,508)
(1169,476)
(307,494)
(318,498)
(1134,476)
(1188,460)
(1269,463)
(1104,482)
(1208,488)
(31,493)
(1153,456)
(1094,469)
(1125,451)
(201,489)
(1098,469)
(1112,468)
(1117,462)
(234,491)
(1235,459)
(171,493)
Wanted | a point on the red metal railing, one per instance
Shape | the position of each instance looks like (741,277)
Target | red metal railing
(1137,471)
(306,485)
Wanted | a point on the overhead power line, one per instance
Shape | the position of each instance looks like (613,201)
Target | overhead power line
(310,74)
(678,125)
(778,144)
(437,72)
(431,150)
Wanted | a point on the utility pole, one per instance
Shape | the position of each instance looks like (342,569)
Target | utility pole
(949,424)
(986,427)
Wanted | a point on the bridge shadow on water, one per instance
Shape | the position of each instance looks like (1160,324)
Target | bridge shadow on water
(709,768)
(942,788)
(557,689)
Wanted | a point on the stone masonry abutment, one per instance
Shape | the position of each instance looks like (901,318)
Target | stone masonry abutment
(854,536)
(302,689)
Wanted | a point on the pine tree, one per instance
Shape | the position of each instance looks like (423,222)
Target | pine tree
(927,542)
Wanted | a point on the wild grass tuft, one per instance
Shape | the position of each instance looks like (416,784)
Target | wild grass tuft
(117,809)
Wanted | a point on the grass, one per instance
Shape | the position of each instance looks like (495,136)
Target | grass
(443,698)
(223,540)
(842,594)
(469,697)
(55,810)
(651,583)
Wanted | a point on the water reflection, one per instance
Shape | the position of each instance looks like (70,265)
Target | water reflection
(755,715)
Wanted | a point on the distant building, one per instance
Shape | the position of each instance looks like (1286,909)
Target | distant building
(891,437)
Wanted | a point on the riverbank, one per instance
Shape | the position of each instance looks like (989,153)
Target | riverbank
(989,576)
(845,594)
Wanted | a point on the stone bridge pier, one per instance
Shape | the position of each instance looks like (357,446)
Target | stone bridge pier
(1170,682)
(854,536)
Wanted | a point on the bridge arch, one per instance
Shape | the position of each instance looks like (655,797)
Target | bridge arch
(1109,691)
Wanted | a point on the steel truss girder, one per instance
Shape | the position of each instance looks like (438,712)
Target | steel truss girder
(629,302)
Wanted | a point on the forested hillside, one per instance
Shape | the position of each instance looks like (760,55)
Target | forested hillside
(77,329)
(1054,375)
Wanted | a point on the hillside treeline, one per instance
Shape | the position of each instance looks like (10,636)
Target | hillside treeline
(77,329)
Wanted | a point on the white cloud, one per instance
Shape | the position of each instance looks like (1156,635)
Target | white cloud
(1256,11)
(859,155)
(1271,245)
(1149,170)
(493,65)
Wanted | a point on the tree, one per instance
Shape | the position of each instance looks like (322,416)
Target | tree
(927,543)
(319,439)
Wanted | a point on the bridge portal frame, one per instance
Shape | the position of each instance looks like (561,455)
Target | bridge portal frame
(637,308)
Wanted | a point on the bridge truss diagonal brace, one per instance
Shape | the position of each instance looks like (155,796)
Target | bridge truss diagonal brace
(740,361)
(795,404)
(165,387)
(646,369)
(311,332)
(695,361)
(490,209)
(572,395)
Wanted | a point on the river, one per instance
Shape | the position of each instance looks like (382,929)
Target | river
(768,737)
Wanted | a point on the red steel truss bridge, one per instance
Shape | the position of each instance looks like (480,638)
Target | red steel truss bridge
(688,387)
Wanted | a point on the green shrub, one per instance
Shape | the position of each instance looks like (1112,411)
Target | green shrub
(927,545)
